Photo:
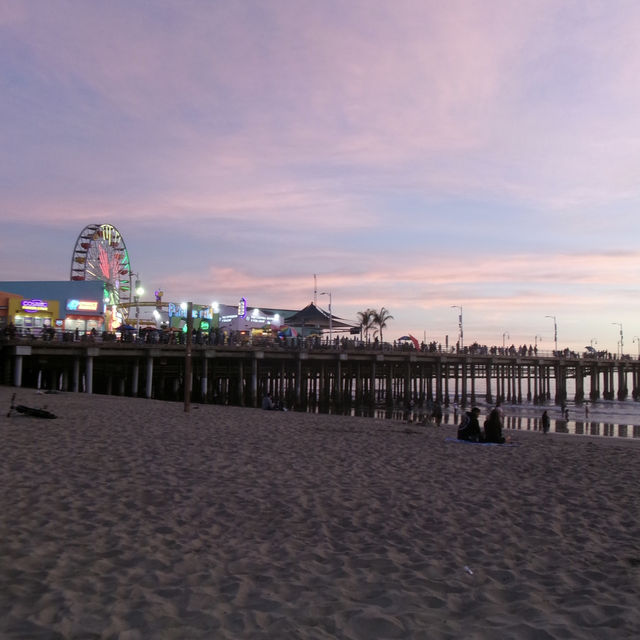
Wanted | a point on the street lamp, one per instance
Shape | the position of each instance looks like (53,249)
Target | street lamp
(187,358)
(637,339)
(137,292)
(507,336)
(535,341)
(619,324)
(555,332)
(455,306)
(328,293)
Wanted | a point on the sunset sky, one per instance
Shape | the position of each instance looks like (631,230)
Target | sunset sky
(414,154)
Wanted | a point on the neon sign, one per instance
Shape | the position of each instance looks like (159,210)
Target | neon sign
(198,311)
(242,308)
(35,305)
(82,305)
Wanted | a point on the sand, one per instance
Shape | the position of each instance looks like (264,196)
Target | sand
(128,518)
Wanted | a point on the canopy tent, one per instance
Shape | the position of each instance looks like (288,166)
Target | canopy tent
(411,339)
(313,317)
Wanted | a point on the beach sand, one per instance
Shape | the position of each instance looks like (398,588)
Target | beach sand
(131,519)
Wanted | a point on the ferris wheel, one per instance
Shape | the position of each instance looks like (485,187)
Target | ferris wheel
(101,254)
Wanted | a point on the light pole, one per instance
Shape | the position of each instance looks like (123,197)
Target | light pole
(328,293)
(455,306)
(535,342)
(187,359)
(137,292)
(555,332)
(619,324)
(637,339)
(507,336)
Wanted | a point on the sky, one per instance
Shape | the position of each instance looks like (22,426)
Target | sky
(418,155)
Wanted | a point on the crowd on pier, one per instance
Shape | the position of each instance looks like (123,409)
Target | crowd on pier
(223,337)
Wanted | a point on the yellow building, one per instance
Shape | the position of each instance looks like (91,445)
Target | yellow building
(32,315)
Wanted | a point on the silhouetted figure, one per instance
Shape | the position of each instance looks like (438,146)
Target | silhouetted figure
(546,422)
(493,428)
(469,428)
(267,403)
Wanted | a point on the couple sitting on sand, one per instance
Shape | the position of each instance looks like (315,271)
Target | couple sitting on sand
(469,428)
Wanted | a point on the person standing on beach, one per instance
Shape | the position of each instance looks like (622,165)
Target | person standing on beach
(437,413)
(545,422)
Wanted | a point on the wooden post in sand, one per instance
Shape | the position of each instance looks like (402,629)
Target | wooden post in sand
(187,359)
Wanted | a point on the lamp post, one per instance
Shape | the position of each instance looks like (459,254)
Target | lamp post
(619,324)
(137,292)
(187,359)
(535,342)
(555,332)
(637,339)
(460,329)
(507,336)
(328,293)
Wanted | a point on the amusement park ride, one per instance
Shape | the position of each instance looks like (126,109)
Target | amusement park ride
(100,253)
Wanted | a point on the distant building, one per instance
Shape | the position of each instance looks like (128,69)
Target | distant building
(5,299)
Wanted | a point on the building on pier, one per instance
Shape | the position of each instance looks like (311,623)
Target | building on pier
(60,305)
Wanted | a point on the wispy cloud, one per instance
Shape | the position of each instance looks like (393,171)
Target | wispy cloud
(414,154)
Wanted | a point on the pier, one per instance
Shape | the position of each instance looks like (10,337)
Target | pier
(322,379)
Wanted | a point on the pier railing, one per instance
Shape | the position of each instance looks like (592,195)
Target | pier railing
(344,345)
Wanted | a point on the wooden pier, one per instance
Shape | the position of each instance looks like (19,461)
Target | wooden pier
(318,379)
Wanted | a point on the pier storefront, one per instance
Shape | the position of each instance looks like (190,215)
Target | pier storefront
(5,318)
(36,307)
(33,316)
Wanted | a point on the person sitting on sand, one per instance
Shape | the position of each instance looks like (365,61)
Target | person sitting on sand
(267,402)
(493,428)
(469,428)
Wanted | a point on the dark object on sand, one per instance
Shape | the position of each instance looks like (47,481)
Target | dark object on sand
(29,411)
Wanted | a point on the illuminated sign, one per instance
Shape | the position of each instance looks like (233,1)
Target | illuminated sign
(33,306)
(242,308)
(82,305)
(198,311)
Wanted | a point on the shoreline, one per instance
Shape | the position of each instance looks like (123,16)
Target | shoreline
(518,418)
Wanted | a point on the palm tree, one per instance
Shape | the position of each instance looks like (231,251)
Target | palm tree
(380,319)
(365,320)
